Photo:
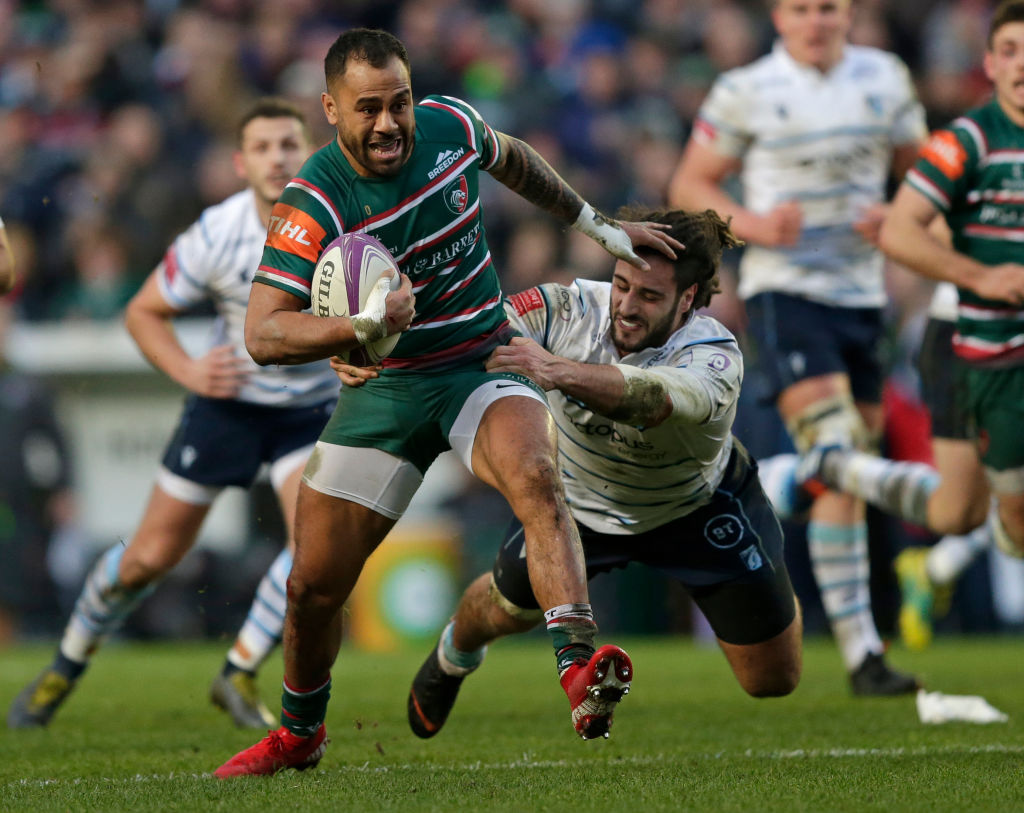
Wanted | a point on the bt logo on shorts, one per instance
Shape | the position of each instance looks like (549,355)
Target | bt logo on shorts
(723,531)
(188,456)
(797,363)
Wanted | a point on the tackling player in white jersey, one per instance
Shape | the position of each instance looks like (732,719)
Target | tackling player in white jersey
(237,417)
(813,130)
(643,391)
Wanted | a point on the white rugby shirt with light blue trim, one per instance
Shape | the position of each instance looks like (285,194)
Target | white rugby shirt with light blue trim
(824,140)
(214,260)
(622,479)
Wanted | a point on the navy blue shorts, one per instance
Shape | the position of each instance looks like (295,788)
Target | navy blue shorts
(728,555)
(796,338)
(942,381)
(222,442)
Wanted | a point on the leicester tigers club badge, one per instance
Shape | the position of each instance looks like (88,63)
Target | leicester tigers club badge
(456,195)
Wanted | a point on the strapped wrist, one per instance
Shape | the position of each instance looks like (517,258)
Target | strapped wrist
(604,231)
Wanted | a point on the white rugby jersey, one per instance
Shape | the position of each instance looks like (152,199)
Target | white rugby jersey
(824,141)
(623,479)
(214,260)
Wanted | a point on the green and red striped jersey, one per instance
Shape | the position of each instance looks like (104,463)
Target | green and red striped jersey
(429,218)
(973,172)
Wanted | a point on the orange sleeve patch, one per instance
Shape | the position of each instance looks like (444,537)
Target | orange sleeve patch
(527,301)
(945,152)
(295,232)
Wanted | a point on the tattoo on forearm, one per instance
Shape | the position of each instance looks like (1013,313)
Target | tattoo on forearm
(525,172)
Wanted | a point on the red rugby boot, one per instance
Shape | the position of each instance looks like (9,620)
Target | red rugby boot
(278,750)
(595,688)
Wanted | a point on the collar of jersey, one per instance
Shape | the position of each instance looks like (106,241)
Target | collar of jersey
(809,71)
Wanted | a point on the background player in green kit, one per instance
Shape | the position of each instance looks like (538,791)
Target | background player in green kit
(972,172)
(409,176)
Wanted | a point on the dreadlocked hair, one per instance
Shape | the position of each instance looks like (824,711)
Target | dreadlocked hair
(705,234)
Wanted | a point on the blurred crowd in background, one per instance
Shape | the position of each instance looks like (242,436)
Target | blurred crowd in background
(117,117)
(117,123)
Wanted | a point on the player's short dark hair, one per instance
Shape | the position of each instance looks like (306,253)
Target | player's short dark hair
(1012,11)
(705,236)
(270,107)
(372,45)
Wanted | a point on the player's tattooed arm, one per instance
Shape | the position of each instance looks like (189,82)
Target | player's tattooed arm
(525,172)
(522,170)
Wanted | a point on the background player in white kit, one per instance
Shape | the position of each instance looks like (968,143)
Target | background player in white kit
(813,130)
(643,391)
(951,500)
(237,417)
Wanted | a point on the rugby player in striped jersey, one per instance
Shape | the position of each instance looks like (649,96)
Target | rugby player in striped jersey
(409,175)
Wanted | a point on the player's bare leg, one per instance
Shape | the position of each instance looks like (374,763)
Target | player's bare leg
(333,539)
(956,509)
(480,618)
(167,532)
(770,668)
(819,411)
(120,580)
(235,688)
(515,451)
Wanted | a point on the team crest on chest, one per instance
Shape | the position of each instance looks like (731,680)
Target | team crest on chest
(456,195)
(875,104)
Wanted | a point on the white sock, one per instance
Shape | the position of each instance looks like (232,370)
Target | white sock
(454,661)
(101,608)
(897,487)
(264,625)
(952,555)
(839,559)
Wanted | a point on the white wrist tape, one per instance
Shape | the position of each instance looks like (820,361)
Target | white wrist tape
(370,323)
(606,232)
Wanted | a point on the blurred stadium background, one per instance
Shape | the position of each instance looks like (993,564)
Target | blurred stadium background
(116,130)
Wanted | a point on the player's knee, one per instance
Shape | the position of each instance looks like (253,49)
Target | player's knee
(306,592)
(833,421)
(960,519)
(144,564)
(777,682)
(534,480)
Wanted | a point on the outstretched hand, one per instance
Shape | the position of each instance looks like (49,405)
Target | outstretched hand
(650,235)
(525,357)
(622,239)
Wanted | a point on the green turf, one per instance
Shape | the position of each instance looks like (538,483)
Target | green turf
(140,735)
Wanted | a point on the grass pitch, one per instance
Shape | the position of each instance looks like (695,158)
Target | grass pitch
(139,734)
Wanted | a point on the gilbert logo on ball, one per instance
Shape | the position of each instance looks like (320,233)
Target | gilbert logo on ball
(346,274)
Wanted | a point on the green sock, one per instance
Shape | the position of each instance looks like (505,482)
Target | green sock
(302,712)
(572,630)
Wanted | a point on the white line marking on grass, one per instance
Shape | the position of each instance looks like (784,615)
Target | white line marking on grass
(527,761)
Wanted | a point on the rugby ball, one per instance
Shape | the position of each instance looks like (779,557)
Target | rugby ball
(345,275)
